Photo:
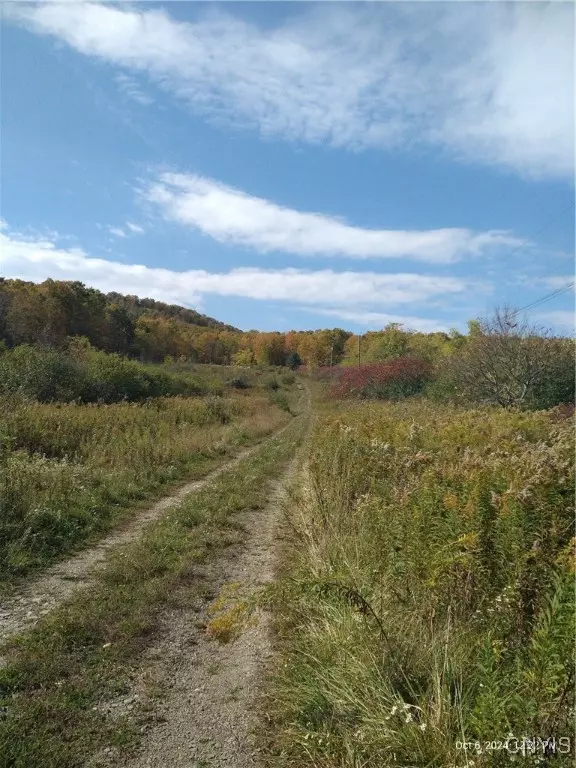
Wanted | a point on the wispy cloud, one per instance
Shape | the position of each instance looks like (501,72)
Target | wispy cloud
(117,231)
(559,318)
(554,281)
(40,259)
(130,229)
(232,216)
(136,229)
(130,87)
(374,321)
(487,82)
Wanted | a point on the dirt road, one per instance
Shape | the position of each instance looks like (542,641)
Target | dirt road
(207,717)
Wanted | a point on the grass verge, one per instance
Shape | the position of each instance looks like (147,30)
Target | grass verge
(425,611)
(86,651)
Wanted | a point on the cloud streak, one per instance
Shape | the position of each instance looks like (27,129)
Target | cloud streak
(490,83)
(231,216)
(38,260)
(130,229)
(377,320)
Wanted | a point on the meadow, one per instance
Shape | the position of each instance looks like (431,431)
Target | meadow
(70,470)
(98,646)
(424,614)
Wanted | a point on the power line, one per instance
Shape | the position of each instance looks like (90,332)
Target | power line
(549,296)
(558,291)
(542,228)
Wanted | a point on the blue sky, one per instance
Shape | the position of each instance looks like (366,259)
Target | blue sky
(294,165)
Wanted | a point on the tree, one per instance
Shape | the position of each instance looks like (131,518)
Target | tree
(388,344)
(243,357)
(293,360)
(508,362)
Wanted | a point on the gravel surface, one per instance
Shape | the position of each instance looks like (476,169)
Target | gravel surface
(207,718)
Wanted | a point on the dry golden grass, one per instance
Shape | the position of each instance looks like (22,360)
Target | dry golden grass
(67,471)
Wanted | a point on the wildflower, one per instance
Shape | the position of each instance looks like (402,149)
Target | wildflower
(408,717)
(394,710)
(422,727)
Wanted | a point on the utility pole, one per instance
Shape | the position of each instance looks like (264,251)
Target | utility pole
(331,351)
(358,350)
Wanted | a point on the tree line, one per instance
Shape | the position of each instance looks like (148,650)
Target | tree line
(52,312)
(501,360)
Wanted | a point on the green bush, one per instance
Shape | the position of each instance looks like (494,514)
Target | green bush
(239,382)
(271,383)
(41,374)
(86,374)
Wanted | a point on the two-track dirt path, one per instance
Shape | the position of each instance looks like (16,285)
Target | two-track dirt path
(208,718)
(35,598)
(209,715)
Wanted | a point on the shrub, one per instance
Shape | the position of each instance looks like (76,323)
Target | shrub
(239,382)
(86,374)
(271,383)
(509,363)
(390,380)
(40,374)
(293,360)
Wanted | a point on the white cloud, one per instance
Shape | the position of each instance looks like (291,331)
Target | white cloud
(564,320)
(130,87)
(375,321)
(136,229)
(40,259)
(555,281)
(488,82)
(231,216)
(117,231)
(130,228)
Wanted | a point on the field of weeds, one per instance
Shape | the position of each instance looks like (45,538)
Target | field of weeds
(69,471)
(426,615)
(57,680)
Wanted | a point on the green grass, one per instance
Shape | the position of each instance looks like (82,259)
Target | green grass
(70,472)
(428,590)
(88,650)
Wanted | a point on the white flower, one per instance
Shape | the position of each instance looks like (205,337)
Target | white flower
(422,726)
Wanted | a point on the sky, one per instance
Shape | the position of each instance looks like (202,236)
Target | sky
(295,165)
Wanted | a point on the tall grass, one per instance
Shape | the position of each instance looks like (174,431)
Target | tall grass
(68,470)
(428,618)
(90,649)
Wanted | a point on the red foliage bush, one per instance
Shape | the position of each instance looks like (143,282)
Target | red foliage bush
(562,412)
(390,380)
